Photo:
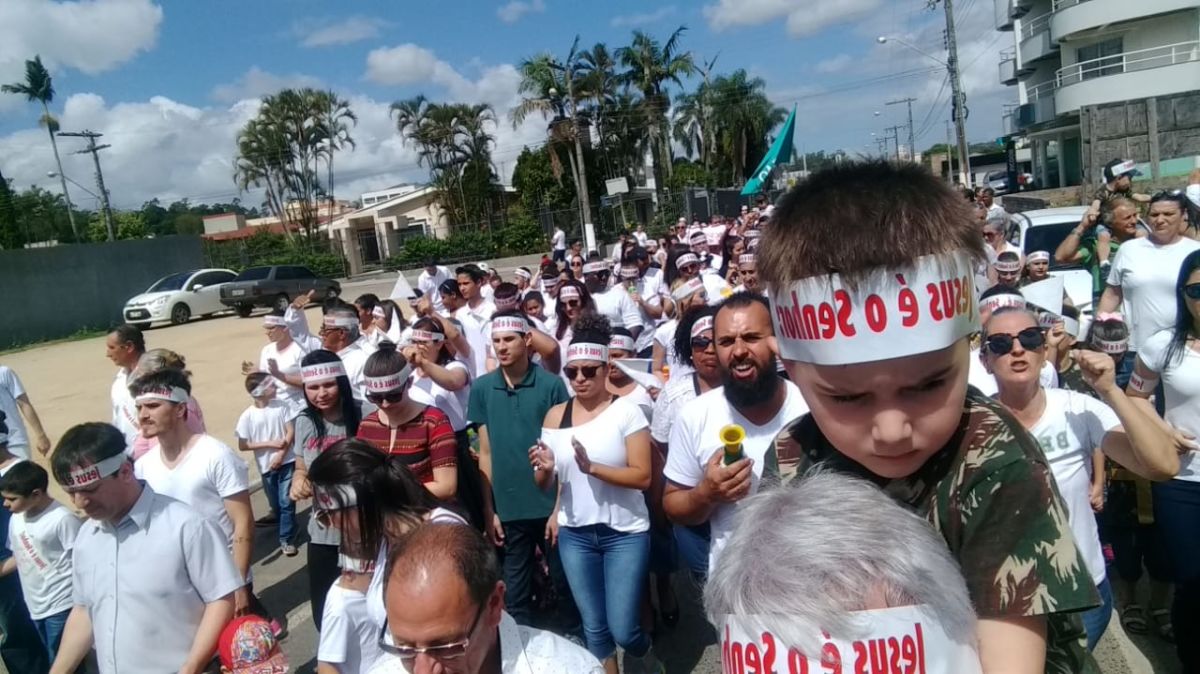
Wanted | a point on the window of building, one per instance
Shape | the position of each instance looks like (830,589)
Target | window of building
(1101,59)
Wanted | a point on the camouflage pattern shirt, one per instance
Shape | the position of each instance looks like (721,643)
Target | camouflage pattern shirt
(990,494)
(1072,380)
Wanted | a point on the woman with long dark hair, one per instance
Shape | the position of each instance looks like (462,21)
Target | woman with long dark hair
(419,435)
(597,447)
(373,499)
(686,295)
(330,414)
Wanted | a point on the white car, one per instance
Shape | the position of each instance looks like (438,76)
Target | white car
(1044,229)
(178,297)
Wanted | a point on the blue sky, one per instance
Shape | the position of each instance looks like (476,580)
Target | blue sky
(169,83)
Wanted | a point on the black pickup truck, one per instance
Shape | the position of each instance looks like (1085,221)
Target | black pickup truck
(274,287)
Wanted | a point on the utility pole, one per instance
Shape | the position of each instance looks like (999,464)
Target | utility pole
(958,98)
(895,131)
(94,150)
(949,161)
(912,146)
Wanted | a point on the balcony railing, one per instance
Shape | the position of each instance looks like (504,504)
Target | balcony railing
(1008,66)
(1130,61)
(1031,27)
(1041,90)
(1063,4)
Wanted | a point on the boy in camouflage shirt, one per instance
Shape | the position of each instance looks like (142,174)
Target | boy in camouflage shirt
(874,303)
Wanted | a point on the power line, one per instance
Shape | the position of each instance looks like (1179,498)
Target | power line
(94,150)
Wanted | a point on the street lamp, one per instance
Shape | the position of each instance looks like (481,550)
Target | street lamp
(956,93)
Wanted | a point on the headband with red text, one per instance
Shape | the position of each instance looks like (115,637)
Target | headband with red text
(549,282)
(594,267)
(427,335)
(335,497)
(173,394)
(686,259)
(506,303)
(1114,347)
(339,322)
(272,321)
(310,374)
(586,351)
(1037,256)
(621,343)
(568,293)
(890,313)
(521,273)
(747,260)
(702,325)
(1007,266)
(510,324)
(389,382)
(80,477)
(629,272)
(687,289)
(1001,301)
(910,638)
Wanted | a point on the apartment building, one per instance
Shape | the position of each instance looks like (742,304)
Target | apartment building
(1098,79)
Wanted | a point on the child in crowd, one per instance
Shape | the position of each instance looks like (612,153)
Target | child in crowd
(265,428)
(41,534)
(247,646)
(348,637)
(21,647)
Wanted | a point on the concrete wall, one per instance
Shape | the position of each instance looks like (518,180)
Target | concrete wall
(1149,130)
(52,293)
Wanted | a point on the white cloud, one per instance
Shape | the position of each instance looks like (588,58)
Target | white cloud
(411,64)
(834,64)
(257,82)
(92,37)
(328,33)
(803,17)
(513,11)
(643,19)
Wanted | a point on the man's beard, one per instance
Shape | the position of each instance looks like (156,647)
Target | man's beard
(743,394)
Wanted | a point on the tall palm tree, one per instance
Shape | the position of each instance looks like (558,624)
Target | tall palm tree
(694,113)
(650,67)
(335,117)
(742,121)
(38,86)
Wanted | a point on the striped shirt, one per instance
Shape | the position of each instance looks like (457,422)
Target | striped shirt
(423,443)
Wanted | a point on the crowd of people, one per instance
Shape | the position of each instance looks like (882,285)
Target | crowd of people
(846,418)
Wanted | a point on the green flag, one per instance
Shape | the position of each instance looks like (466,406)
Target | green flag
(781,151)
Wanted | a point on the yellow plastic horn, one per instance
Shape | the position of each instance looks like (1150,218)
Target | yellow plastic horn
(732,437)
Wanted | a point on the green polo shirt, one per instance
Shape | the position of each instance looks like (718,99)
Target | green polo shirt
(513,417)
(1087,258)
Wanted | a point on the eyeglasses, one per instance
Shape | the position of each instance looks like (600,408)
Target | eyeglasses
(1168,195)
(588,371)
(990,235)
(576,264)
(701,343)
(1192,291)
(449,651)
(391,397)
(1031,339)
(571,304)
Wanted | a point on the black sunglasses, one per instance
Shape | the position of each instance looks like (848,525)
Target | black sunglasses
(588,371)
(701,343)
(391,397)
(572,303)
(1168,195)
(1192,291)
(1031,339)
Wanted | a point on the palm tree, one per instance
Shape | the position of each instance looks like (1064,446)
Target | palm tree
(38,86)
(333,113)
(742,121)
(694,115)
(651,66)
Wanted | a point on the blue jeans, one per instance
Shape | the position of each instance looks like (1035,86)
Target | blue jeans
(1095,620)
(277,484)
(1177,516)
(692,543)
(20,644)
(606,570)
(50,629)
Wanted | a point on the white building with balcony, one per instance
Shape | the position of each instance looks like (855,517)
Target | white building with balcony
(1074,59)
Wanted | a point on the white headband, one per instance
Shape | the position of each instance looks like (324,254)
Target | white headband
(892,313)
(746,260)
(549,282)
(323,497)
(621,342)
(1000,301)
(586,351)
(1007,266)
(629,273)
(1037,256)
(701,326)
(687,289)
(427,335)
(594,267)
(911,638)
(389,382)
(173,394)
(378,312)
(272,321)
(686,259)
(1047,320)
(507,303)
(1071,326)
(82,476)
(510,324)
(322,372)
(523,274)
(1123,168)
(259,391)
(568,293)
(339,322)
(1111,347)
(751,234)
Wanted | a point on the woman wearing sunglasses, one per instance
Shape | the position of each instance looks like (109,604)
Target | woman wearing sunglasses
(687,294)
(1170,362)
(1073,429)
(420,436)
(574,301)
(373,500)
(330,415)
(595,449)
(574,270)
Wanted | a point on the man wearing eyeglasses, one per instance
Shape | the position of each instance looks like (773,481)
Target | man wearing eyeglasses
(445,613)
(339,333)
(154,579)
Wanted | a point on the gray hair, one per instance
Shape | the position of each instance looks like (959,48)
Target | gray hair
(155,360)
(832,544)
(348,312)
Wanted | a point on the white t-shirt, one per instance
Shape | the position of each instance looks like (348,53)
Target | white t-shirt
(262,424)
(428,285)
(10,390)
(665,336)
(1181,393)
(715,287)
(586,500)
(559,240)
(474,331)
(1071,428)
(453,403)
(640,397)
(288,361)
(208,474)
(42,547)
(677,393)
(618,307)
(694,439)
(713,234)
(1146,273)
(349,640)
(650,289)
(124,411)
(354,359)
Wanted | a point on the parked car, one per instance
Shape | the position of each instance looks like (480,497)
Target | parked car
(1044,229)
(274,287)
(179,297)
(998,181)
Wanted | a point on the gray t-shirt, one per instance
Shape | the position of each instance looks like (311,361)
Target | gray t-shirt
(307,446)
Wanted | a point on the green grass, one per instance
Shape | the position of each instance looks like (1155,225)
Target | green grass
(82,333)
